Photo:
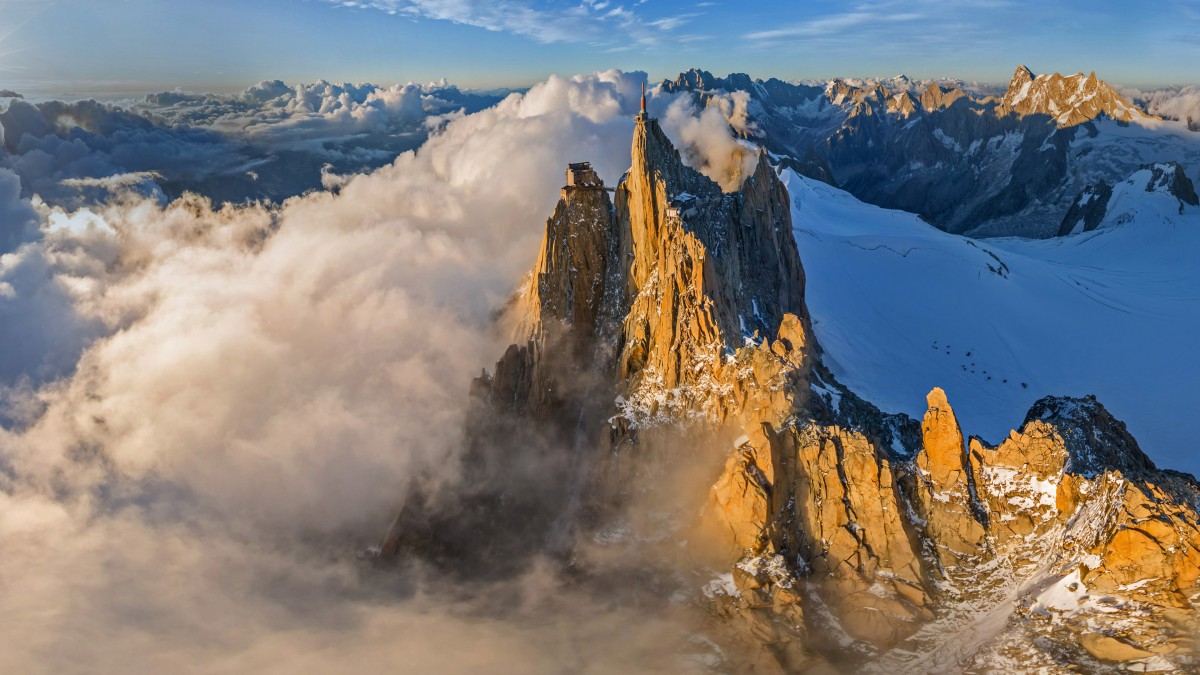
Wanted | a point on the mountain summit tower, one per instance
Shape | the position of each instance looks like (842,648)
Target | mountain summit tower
(642,116)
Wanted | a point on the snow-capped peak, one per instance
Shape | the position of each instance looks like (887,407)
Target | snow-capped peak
(1067,100)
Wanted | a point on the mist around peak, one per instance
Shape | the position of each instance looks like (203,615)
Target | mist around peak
(211,412)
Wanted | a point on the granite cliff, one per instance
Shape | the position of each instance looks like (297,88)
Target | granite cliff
(664,401)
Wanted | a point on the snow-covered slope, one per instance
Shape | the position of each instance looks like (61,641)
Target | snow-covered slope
(901,307)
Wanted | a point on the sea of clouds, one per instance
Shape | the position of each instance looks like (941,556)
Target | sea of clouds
(269,142)
(208,410)
(1174,103)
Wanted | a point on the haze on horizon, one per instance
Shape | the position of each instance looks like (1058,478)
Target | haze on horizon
(113,48)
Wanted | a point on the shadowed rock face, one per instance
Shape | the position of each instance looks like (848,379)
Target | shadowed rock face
(1171,178)
(664,383)
(1095,202)
(1088,209)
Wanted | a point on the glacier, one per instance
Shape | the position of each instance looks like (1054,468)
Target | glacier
(900,307)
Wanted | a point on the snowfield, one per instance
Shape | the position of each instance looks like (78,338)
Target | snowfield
(901,307)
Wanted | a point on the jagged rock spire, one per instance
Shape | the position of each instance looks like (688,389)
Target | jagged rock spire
(1066,100)
(662,340)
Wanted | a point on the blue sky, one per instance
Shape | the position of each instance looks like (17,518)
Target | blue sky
(95,46)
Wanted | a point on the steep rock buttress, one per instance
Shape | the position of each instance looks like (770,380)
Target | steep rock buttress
(661,342)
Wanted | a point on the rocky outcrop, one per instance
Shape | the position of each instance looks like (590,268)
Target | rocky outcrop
(1169,177)
(699,279)
(944,487)
(1088,209)
(936,97)
(1099,203)
(813,166)
(1018,86)
(665,384)
(902,104)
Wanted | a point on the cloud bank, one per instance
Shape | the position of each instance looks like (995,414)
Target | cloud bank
(207,410)
(1176,103)
(270,142)
(705,139)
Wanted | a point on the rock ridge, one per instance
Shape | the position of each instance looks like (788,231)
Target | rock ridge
(662,334)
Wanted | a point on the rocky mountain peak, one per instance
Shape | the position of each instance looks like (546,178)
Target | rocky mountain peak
(706,269)
(665,329)
(1095,440)
(567,285)
(658,289)
(839,91)
(654,161)
(698,80)
(1022,78)
(902,104)
(693,78)
(945,452)
(1066,100)
(1170,177)
(936,97)
(1100,202)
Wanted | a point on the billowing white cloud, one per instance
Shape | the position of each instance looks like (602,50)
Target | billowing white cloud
(1178,103)
(17,221)
(242,396)
(51,142)
(705,140)
(284,116)
(39,330)
(269,142)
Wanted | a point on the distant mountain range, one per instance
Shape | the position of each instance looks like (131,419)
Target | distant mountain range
(967,162)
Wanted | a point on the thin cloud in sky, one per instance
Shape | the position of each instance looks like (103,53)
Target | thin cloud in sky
(1187,23)
(55,54)
(857,21)
(513,17)
(591,21)
(1189,16)
(830,24)
(8,9)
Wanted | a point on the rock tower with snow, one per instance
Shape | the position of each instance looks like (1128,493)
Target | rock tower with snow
(665,386)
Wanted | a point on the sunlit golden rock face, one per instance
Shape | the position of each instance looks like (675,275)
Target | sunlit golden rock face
(889,545)
(942,487)
(1068,100)
(936,97)
(666,378)
(700,281)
